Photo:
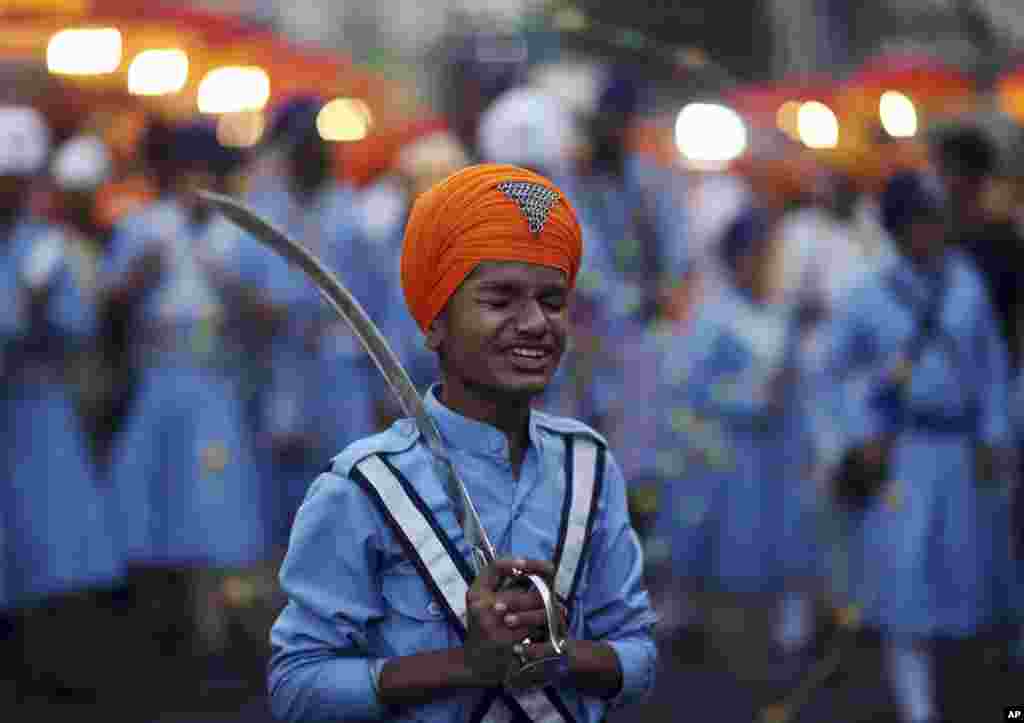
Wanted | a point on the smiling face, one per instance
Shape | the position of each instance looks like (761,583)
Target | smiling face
(503,333)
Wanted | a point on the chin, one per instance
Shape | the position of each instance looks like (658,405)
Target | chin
(518,388)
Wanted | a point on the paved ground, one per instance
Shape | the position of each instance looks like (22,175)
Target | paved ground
(691,692)
(717,681)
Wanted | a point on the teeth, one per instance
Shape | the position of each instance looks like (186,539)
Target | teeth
(532,353)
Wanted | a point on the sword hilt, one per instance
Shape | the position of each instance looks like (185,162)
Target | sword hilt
(552,667)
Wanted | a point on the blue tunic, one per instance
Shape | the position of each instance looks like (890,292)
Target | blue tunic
(635,232)
(57,517)
(182,467)
(315,352)
(354,599)
(924,557)
(635,235)
(733,453)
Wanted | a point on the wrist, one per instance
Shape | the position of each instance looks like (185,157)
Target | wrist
(464,675)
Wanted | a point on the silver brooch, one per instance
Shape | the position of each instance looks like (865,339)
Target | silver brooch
(533,199)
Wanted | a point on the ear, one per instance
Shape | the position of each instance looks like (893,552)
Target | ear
(437,332)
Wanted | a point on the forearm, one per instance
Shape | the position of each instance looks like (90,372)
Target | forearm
(594,669)
(425,677)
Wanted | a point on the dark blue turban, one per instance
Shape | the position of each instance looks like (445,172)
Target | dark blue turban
(908,197)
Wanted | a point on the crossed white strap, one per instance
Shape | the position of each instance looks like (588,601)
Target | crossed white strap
(448,576)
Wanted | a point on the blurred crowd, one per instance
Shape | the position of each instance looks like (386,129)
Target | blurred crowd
(752,343)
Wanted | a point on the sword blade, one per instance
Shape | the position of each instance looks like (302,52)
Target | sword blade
(374,343)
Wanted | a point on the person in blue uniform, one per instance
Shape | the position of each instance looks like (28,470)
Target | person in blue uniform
(735,456)
(80,166)
(634,211)
(918,360)
(372,631)
(304,349)
(59,542)
(968,160)
(182,465)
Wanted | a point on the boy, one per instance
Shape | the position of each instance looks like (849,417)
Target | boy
(489,259)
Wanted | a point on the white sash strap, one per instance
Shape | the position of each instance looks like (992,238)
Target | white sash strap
(442,574)
(416,529)
(583,479)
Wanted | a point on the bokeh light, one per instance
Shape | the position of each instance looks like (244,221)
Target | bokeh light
(84,51)
(710,135)
(234,89)
(344,120)
(898,114)
(817,125)
(158,72)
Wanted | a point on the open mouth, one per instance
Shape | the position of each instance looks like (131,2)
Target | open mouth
(529,358)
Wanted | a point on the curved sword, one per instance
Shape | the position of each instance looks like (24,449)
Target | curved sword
(349,309)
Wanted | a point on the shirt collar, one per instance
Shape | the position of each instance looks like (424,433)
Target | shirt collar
(468,434)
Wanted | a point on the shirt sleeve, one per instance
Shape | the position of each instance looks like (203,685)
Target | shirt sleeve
(68,318)
(320,668)
(846,386)
(68,311)
(725,381)
(616,607)
(993,377)
(125,248)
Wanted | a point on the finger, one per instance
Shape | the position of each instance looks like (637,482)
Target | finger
(491,577)
(529,619)
(516,600)
(482,611)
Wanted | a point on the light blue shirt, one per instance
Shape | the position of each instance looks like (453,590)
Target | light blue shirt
(356,601)
(964,366)
(68,317)
(185,293)
(327,227)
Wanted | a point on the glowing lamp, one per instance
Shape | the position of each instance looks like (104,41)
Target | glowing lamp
(710,135)
(234,89)
(158,72)
(817,125)
(898,115)
(344,119)
(84,51)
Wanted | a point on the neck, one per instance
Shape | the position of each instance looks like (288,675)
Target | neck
(509,414)
(928,265)
(969,214)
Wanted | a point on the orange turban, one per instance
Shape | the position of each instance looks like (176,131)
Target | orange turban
(486,212)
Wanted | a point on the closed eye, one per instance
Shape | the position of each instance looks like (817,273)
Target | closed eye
(555,303)
(495,303)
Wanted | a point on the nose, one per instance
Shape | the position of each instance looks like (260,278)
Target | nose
(531,319)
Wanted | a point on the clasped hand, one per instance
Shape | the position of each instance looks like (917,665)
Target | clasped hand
(501,614)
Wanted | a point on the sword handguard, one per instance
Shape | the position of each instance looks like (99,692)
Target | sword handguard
(551,667)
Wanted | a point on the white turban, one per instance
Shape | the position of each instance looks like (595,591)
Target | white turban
(527,127)
(24,141)
(81,164)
